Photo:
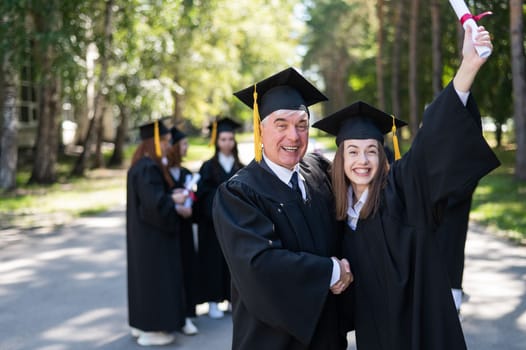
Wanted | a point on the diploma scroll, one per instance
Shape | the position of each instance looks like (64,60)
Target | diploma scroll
(189,185)
(467,19)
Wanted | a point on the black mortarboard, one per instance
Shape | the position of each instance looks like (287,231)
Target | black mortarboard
(154,129)
(287,89)
(220,125)
(148,130)
(177,135)
(360,121)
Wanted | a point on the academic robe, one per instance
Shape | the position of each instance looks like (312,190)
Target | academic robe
(452,234)
(155,277)
(402,298)
(188,253)
(214,280)
(278,249)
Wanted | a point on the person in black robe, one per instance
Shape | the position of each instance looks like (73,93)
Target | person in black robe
(213,270)
(275,223)
(182,178)
(155,278)
(401,298)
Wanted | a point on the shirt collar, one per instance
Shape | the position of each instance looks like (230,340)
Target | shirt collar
(282,173)
(355,209)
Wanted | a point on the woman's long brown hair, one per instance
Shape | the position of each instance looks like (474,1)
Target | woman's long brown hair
(147,149)
(340,184)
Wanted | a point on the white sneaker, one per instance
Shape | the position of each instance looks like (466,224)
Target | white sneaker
(214,312)
(135,332)
(189,327)
(155,338)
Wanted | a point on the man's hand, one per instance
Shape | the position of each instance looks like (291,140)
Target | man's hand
(346,277)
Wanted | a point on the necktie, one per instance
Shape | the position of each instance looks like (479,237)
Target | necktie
(295,186)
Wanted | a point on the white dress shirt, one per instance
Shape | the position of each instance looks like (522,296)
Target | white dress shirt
(227,162)
(353,211)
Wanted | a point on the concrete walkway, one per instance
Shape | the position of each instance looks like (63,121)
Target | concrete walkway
(67,290)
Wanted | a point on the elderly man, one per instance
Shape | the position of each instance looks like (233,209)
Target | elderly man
(276,225)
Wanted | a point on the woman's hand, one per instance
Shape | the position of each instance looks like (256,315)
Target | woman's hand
(471,61)
(179,195)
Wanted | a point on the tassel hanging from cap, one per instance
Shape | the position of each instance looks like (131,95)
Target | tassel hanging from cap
(213,134)
(257,131)
(156,139)
(396,148)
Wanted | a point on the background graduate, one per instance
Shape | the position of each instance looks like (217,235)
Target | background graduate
(214,277)
(402,299)
(181,178)
(275,222)
(155,276)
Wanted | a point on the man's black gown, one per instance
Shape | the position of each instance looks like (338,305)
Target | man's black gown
(277,248)
(402,298)
(155,276)
(214,277)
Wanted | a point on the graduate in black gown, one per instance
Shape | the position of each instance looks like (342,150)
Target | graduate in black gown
(402,299)
(182,178)
(276,226)
(155,277)
(214,276)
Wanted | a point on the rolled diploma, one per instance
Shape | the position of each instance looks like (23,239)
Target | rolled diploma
(461,9)
(188,187)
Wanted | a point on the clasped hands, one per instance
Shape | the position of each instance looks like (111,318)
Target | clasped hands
(346,277)
(179,196)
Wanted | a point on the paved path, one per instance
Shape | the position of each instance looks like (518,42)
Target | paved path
(67,290)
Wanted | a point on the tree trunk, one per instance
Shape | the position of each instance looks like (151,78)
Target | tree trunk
(395,67)
(436,47)
(45,151)
(519,84)
(81,164)
(380,55)
(413,68)
(9,131)
(99,156)
(117,159)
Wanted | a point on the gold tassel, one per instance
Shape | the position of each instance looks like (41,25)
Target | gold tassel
(257,132)
(213,134)
(396,148)
(156,139)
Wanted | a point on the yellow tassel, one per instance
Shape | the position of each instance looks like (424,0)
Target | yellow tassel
(396,148)
(213,134)
(156,139)
(257,132)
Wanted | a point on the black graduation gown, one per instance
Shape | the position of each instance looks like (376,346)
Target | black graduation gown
(188,253)
(214,284)
(452,234)
(155,277)
(277,248)
(402,298)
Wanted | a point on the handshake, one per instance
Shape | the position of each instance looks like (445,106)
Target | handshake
(346,277)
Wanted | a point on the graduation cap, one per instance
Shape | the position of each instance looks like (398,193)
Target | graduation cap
(287,89)
(361,121)
(154,129)
(220,125)
(177,135)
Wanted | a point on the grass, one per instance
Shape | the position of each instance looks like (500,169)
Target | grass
(498,203)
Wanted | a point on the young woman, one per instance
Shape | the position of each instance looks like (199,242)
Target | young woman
(182,177)
(213,272)
(400,298)
(155,276)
